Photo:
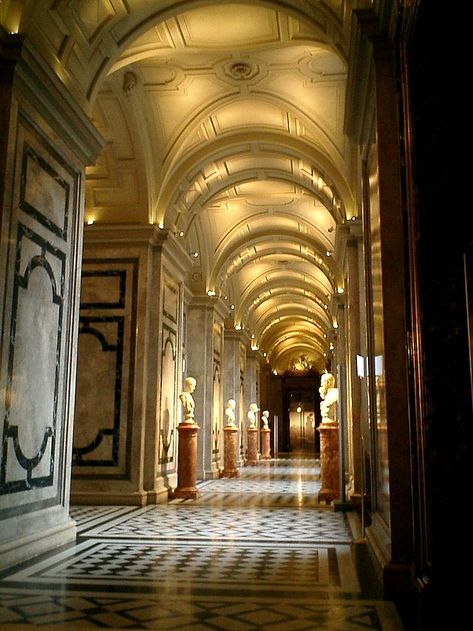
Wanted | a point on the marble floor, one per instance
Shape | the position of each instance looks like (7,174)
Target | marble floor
(253,552)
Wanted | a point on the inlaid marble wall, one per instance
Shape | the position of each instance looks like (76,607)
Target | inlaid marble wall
(169,412)
(130,364)
(41,231)
(217,425)
(242,407)
(106,367)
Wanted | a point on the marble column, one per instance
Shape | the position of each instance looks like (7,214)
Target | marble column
(252,394)
(205,318)
(252,379)
(46,140)
(125,439)
(234,367)
(329,462)
(374,72)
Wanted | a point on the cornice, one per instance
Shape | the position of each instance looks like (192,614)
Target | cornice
(119,233)
(45,93)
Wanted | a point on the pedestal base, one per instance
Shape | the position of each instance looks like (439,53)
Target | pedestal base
(329,462)
(230,468)
(252,446)
(186,462)
(184,493)
(266,444)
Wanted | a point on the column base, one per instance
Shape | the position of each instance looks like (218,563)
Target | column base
(327,495)
(185,494)
(230,473)
(45,540)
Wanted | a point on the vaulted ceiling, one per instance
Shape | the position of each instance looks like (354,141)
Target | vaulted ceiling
(223,123)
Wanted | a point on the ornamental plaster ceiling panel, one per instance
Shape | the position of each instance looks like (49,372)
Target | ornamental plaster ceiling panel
(270,311)
(223,123)
(210,29)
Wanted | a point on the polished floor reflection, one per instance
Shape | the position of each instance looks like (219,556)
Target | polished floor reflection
(254,552)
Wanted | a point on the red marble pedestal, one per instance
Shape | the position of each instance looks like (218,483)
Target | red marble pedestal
(186,461)
(329,462)
(252,446)
(265,443)
(230,451)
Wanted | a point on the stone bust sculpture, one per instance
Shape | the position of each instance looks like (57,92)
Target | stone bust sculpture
(329,395)
(230,413)
(252,415)
(265,419)
(187,399)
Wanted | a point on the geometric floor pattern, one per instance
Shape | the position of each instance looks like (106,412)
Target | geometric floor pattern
(207,523)
(254,552)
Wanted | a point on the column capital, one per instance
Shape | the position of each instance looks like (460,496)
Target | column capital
(239,335)
(214,303)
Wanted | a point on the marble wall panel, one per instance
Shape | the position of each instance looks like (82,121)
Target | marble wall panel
(242,401)
(217,411)
(40,263)
(106,365)
(169,412)
(217,425)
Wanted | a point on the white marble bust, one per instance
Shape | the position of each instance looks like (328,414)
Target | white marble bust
(230,413)
(187,399)
(329,395)
(252,415)
(265,419)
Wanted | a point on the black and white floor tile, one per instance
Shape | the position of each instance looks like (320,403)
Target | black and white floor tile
(204,564)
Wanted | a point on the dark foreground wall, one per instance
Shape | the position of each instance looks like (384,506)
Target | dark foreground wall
(441,119)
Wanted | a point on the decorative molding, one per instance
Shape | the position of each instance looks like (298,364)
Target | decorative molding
(38,177)
(113,431)
(11,440)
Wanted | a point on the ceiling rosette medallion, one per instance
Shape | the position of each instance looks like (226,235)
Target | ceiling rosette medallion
(238,71)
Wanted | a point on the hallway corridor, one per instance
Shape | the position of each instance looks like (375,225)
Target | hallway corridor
(254,552)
